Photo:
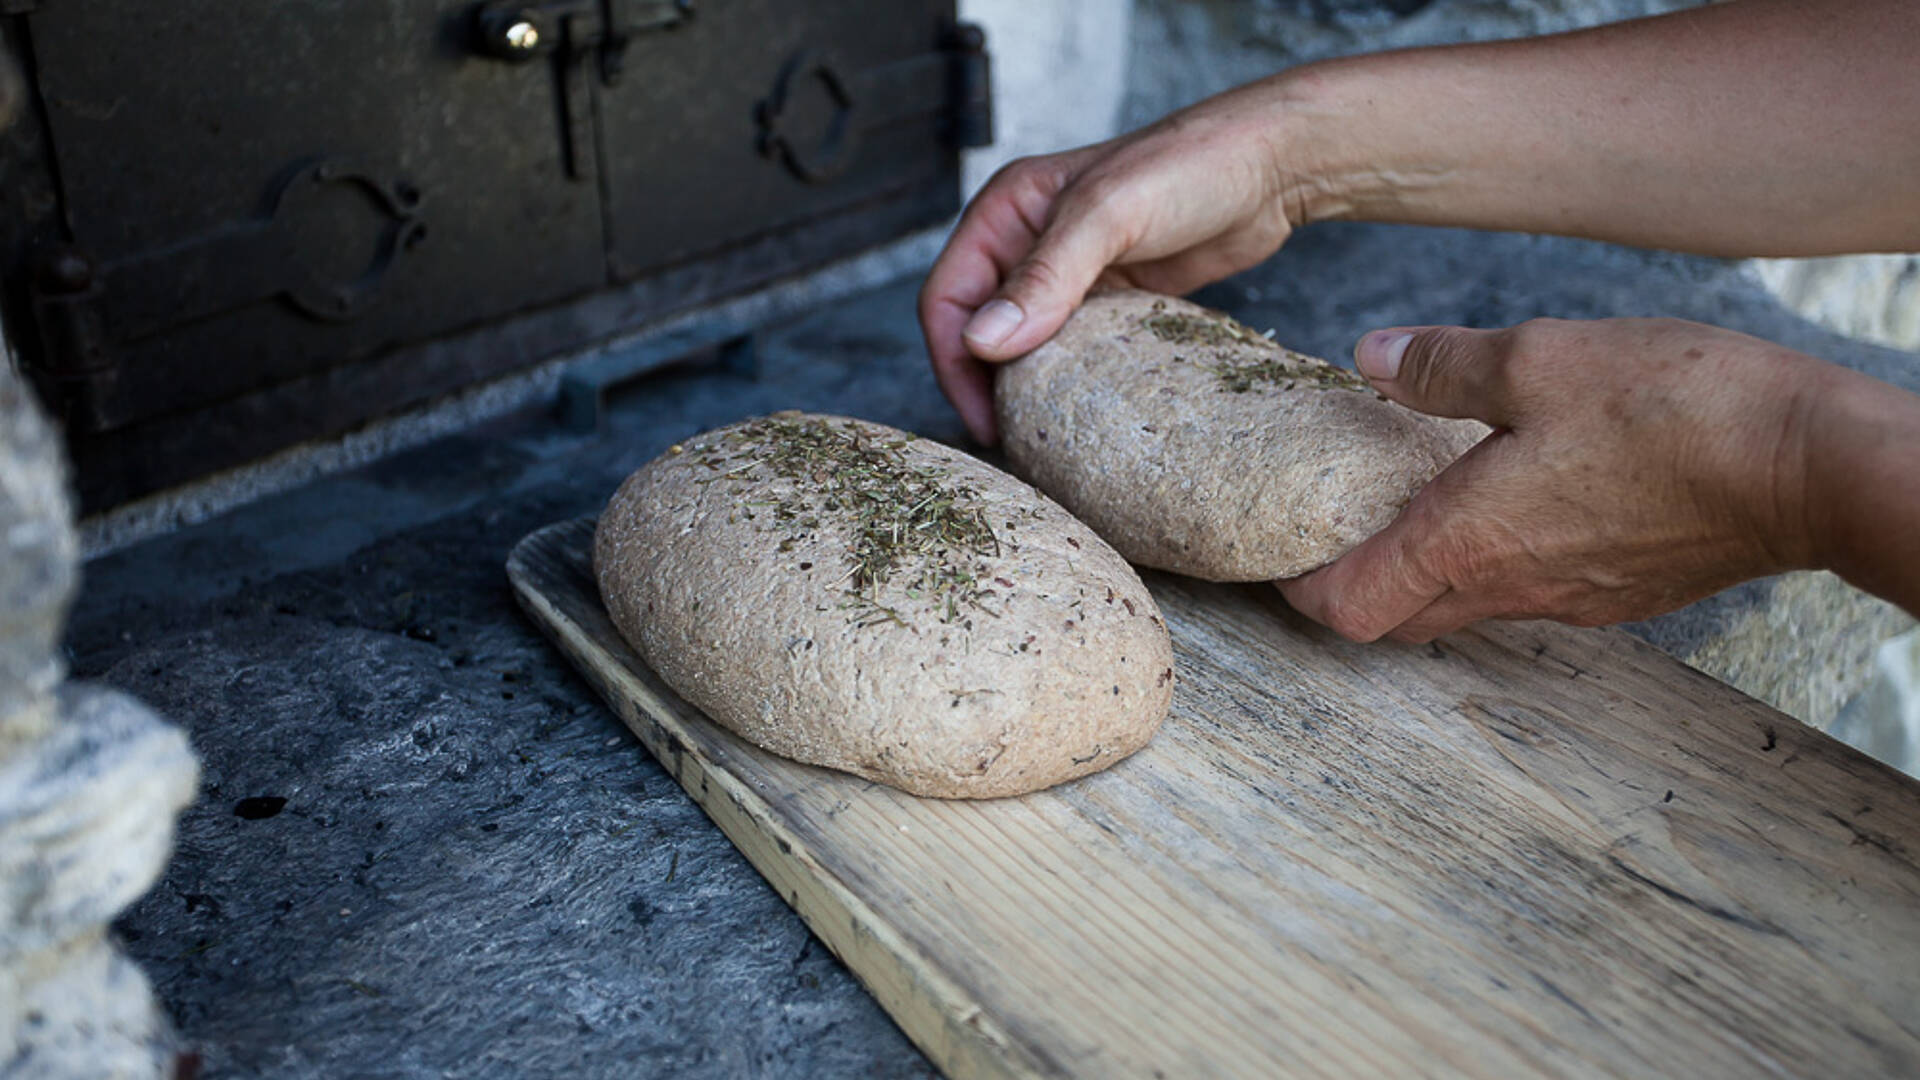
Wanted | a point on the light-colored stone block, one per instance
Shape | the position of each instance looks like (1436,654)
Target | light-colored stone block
(1866,297)
(90,784)
(89,1015)
(38,561)
(86,817)
(1884,720)
(1059,76)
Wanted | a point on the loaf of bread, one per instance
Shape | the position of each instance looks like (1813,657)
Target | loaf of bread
(848,595)
(1193,444)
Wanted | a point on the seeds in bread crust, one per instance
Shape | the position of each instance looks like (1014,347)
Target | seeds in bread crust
(1237,371)
(907,519)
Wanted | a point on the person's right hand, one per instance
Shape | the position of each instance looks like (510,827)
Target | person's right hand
(1200,195)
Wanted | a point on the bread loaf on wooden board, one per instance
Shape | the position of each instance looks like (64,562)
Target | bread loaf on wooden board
(848,595)
(1196,445)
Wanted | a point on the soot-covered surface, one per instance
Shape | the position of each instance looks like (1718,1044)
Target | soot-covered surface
(423,849)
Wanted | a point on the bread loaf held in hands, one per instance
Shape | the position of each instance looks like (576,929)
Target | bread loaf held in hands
(848,595)
(1193,444)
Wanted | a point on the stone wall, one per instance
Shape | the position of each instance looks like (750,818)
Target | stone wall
(1868,297)
(90,783)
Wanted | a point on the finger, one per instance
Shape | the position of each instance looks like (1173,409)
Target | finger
(964,380)
(1453,610)
(1046,285)
(1178,275)
(1440,370)
(1372,589)
(1400,571)
(994,233)
(967,384)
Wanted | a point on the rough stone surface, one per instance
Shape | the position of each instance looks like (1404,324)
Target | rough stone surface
(1809,649)
(477,872)
(1868,297)
(38,558)
(1884,719)
(90,1016)
(89,783)
(86,818)
(526,892)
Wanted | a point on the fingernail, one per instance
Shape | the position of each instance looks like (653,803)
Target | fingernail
(994,323)
(1379,353)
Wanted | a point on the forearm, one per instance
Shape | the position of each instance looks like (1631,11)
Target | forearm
(1863,487)
(1757,127)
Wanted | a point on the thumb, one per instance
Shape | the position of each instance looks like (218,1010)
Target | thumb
(1440,370)
(1044,288)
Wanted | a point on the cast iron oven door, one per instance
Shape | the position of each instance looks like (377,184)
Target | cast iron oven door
(272,222)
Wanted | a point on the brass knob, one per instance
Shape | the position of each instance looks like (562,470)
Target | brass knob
(522,36)
(511,32)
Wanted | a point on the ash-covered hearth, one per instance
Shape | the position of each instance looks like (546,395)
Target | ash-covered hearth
(420,844)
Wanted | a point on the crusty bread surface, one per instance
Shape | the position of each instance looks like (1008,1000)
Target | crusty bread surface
(1193,444)
(848,595)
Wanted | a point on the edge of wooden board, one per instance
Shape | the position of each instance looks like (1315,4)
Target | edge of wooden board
(944,1021)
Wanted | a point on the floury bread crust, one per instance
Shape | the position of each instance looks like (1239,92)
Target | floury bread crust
(845,594)
(1193,444)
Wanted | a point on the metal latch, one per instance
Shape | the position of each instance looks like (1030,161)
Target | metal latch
(521,31)
(571,31)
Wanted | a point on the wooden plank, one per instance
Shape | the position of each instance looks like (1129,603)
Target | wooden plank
(1526,850)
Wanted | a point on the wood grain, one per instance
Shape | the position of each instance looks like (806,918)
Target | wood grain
(1526,850)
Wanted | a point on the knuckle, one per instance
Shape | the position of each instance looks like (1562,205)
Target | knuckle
(1541,329)
(1018,171)
(1532,349)
(1107,201)
(1036,277)
(1099,192)
(1350,622)
(1458,559)
(1532,337)
(1047,174)
(1432,362)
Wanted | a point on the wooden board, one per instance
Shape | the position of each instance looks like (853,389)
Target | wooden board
(1528,850)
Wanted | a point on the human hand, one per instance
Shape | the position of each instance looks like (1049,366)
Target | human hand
(1636,465)
(1192,199)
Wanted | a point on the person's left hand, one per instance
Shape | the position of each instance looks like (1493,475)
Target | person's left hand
(1636,465)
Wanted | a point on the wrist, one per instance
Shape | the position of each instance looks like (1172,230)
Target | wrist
(1376,137)
(1863,470)
(1318,176)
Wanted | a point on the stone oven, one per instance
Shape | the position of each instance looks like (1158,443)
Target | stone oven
(230,233)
